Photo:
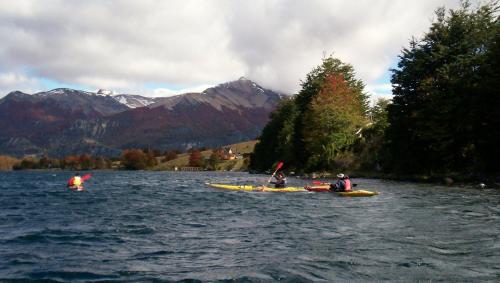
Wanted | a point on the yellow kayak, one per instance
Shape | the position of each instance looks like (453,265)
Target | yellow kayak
(255,188)
(326,188)
(358,193)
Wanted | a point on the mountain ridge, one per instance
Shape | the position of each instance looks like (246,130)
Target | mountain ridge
(224,114)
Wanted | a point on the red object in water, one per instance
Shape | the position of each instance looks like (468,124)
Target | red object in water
(318,188)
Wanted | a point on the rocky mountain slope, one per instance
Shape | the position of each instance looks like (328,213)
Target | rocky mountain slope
(27,122)
(63,121)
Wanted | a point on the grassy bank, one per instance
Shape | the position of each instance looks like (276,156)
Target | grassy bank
(239,164)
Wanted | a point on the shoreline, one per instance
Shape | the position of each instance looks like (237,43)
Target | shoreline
(476,179)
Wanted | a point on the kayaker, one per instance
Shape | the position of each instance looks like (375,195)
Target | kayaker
(280,180)
(76,182)
(343,184)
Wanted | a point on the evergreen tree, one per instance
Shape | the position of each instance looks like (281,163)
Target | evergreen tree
(486,116)
(276,141)
(370,148)
(214,160)
(440,88)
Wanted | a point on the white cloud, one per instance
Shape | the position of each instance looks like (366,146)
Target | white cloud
(124,45)
(14,81)
(162,92)
(377,91)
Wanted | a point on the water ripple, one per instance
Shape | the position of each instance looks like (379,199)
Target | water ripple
(169,227)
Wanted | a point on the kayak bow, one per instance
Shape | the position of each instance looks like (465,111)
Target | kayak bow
(358,193)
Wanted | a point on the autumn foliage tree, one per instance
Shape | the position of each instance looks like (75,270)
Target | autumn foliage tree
(195,158)
(318,125)
(331,123)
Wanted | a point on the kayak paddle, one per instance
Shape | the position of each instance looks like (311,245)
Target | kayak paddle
(278,167)
(86,177)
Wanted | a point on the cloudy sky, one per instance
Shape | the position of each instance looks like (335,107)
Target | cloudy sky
(165,47)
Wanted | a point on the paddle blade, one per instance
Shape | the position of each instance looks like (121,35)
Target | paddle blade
(280,164)
(86,177)
(317,182)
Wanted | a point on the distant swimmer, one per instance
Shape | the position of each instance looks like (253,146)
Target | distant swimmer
(76,182)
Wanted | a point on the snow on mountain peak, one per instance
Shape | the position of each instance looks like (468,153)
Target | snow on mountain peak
(56,91)
(104,92)
(133,101)
(122,99)
(63,91)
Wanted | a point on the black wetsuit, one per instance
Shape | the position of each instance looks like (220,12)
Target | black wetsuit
(338,187)
(279,183)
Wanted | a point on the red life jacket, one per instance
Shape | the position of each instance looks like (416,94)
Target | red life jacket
(348,186)
(71,181)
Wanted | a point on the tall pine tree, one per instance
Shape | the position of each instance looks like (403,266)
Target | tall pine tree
(439,116)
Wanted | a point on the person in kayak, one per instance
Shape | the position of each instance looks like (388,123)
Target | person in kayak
(76,182)
(342,185)
(280,180)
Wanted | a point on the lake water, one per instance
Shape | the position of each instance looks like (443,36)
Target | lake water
(168,226)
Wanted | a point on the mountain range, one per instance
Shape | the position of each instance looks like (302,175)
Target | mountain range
(64,121)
